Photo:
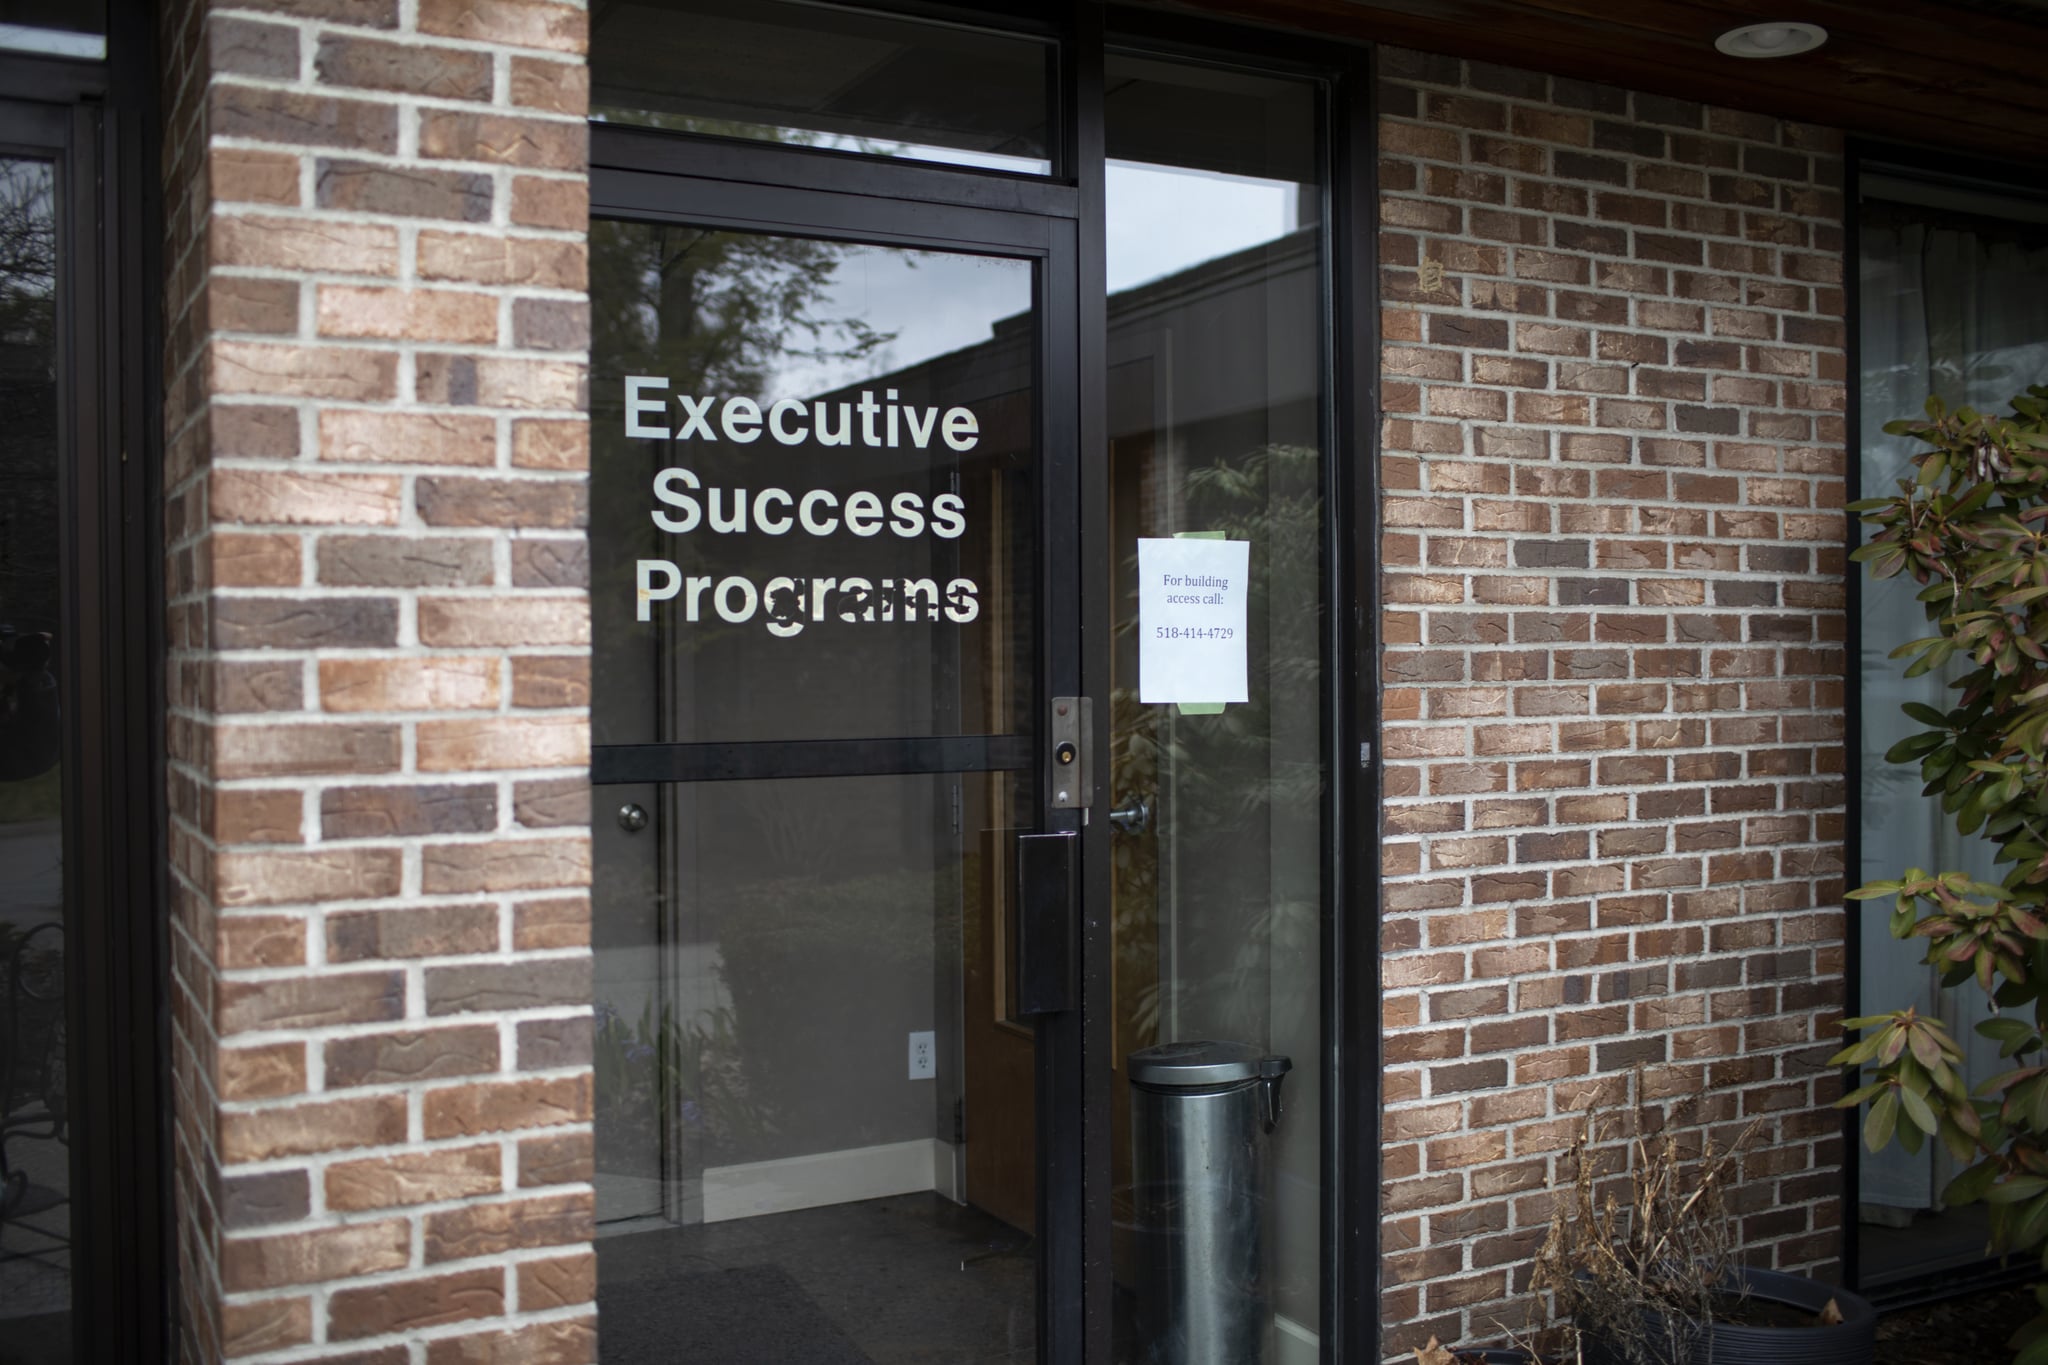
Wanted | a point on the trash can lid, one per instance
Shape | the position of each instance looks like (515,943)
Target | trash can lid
(1192,1064)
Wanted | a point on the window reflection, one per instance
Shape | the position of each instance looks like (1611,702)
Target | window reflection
(777,419)
(1953,302)
(1216,387)
(818,77)
(888,559)
(35,1177)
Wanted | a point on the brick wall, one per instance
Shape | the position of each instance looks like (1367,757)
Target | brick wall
(378,679)
(1613,464)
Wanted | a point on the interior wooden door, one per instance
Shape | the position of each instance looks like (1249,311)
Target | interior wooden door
(999,1051)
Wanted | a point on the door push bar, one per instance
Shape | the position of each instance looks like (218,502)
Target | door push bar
(1046,913)
(1048,895)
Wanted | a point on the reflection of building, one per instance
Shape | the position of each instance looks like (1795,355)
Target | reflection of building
(1530,388)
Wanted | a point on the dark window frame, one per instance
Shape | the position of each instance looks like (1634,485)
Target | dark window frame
(1350,1329)
(115,868)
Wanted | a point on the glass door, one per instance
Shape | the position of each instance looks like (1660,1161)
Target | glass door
(823,509)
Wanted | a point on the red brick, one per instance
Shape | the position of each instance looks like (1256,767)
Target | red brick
(557,1282)
(551,1342)
(514,23)
(413,1178)
(493,1229)
(314,1256)
(409,1305)
(467,1110)
(304,244)
(450,683)
(406,315)
(301,1129)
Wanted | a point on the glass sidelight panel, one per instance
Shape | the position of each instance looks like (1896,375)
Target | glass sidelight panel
(814,539)
(1216,400)
(35,1134)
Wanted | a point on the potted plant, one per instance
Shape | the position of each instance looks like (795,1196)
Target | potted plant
(1971,527)
(1648,1273)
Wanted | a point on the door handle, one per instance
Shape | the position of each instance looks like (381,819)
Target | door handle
(1134,816)
(1045,922)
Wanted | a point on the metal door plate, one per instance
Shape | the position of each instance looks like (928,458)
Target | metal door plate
(1069,774)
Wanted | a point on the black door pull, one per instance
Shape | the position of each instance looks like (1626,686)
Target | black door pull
(1045,922)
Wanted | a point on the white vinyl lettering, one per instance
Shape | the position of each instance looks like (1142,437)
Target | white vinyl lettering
(913,590)
(728,523)
(789,436)
(863,513)
(856,599)
(637,407)
(906,515)
(740,420)
(787,604)
(763,521)
(961,428)
(811,524)
(749,599)
(665,491)
(696,414)
(826,436)
(821,593)
(693,603)
(650,591)
(962,605)
(783,599)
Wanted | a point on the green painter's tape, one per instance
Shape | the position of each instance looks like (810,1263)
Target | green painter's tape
(1200,708)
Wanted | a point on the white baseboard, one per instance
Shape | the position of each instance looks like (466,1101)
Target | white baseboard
(1294,1344)
(809,1182)
(949,1171)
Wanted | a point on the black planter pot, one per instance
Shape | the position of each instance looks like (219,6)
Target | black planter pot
(1852,1341)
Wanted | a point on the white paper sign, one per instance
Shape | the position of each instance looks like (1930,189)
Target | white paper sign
(1191,615)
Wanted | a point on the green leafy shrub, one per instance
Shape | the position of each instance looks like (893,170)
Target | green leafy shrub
(1971,527)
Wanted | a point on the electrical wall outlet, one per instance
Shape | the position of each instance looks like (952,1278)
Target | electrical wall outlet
(924,1055)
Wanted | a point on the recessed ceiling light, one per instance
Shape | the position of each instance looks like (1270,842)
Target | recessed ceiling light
(1771,40)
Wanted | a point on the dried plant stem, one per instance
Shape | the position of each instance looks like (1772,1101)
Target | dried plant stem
(1646,1277)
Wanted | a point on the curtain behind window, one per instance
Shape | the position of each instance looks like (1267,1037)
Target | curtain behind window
(1953,305)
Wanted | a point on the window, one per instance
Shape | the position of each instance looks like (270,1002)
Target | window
(1954,302)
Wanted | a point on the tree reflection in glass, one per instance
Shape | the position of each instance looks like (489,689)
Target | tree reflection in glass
(35,1181)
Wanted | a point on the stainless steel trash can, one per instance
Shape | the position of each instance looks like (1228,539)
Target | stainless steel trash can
(1200,1113)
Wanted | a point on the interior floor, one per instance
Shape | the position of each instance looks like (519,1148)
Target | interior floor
(910,1280)
(35,1253)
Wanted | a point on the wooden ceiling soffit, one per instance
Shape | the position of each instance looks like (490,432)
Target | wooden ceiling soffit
(1920,72)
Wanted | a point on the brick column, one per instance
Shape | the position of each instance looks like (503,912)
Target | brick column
(379,679)
(1613,470)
